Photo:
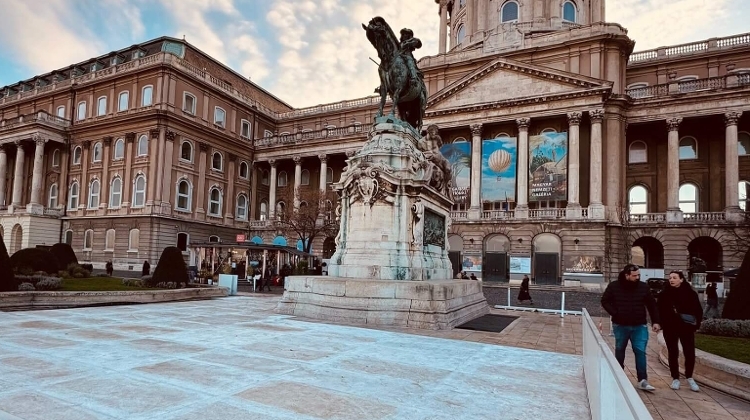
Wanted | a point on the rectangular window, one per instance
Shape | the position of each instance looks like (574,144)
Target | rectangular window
(148,93)
(61,111)
(220,117)
(245,129)
(123,102)
(188,104)
(101,108)
(81,110)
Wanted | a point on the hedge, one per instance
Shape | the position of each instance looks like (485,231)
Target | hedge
(7,279)
(33,260)
(170,268)
(64,254)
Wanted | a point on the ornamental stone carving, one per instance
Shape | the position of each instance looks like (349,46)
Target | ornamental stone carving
(38,139)
(523,123)
(232,157)
(272,162)
(350,153)
(439,171)
(323,158)
(731,118)
(417,229)
(107,141)
(171,135)
(203,146)
(574,118)
(86,144)
(297,160)
(673,124)
(154,133)
(476,129)
(596,116)
(130,137)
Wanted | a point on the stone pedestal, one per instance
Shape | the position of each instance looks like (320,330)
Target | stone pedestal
(597,212)
(674,216)
(434,305)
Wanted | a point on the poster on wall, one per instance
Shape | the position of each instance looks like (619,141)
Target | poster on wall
(472,263)
(584,264)
(499,171)
(459,156)
(520,265)
(548,167)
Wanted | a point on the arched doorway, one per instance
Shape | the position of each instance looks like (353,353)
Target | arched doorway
(495,258)
(16,239)
(329,247)
(455,251)
(648,252)
(547,248)
(709,250)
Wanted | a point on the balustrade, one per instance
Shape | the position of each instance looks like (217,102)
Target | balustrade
(547,214)
(690,48)
(705,217)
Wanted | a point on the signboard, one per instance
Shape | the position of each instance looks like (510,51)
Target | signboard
(548,167)
(241,238)
(520,265)
(499,170)
(472,263)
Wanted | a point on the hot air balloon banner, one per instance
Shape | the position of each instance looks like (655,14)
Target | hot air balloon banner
(548,167)
(499,171)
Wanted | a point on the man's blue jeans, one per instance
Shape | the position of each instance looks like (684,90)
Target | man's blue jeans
(638,336)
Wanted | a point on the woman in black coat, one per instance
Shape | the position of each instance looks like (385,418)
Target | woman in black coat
(681,314)
(523,293)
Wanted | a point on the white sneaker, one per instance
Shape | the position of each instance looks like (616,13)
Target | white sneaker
(645,386)
(675,384)
(693,386)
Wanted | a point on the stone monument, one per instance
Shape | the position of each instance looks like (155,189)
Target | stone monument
(391,263)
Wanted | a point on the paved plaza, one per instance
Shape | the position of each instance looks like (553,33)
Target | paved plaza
(234,358)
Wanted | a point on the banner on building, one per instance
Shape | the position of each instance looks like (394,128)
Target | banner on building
(459,157)
(584,264)
(472,262)
(499,171)
(548,167)
(520,265)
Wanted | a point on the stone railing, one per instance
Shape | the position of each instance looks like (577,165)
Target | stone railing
(705,217)
(648,218)
(547,214)
(611,394)
(258,224)
(729,81)
(459,215)
(337,106)
(37,117)
(498,215)
(690,48)
(325,133)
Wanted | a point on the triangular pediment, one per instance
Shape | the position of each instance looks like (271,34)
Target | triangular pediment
(505,80)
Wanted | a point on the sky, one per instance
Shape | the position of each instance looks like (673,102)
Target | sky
(306,52)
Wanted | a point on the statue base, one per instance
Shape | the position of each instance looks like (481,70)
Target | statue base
(432,305)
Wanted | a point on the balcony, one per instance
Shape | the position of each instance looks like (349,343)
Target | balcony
(688,218)
(325,133)
(38,118)
(677,88)
(665,53)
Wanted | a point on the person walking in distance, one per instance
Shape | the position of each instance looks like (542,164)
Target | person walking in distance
(681,314)
(523,292)
(712,301)
(146,271)
(627,300)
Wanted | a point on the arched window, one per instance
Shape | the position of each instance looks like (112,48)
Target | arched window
(122,101)
(304,177)
(509,12)
(267,134)
(245,130)
(689,198)
(73,196)
(134,240)
(743,144)
(329,175)
(241,207)
(281,181)
(220,117)
(119,152)
(61,111)
(96,155)
(744,188)
(139,191)
(101,106)
(217,163)
(214,202)
(56,158)
(188,103)
(280,207)
(548,130)
(502,136)
(459,140)
(115,193)
(637,152)
(186,151)
(53,193)
(214,239)
(94,189)
(460,34)
(638,200)
(182,241)
(88,240)
(688,148)
(263,210)
(183,195)
(147,96)
(109,240)
(569,12)
(81,110)
(244,170)
(264,177)
(77,152)
(68,238)
(143,146)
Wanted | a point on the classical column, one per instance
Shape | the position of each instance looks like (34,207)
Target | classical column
(674,214)
(522,200)
(152,167)
(323,172)
(84,184)
(167,189)
(297,180)
(201,195)
(229,205)
(475,209)
(106,157)
(470,16)
(253,192)
(272,191)
(443,27)
(731,166)
(3,173)
(18,175)
(574,166)
(596,207)
(156,159)
(37,175)
(127,182)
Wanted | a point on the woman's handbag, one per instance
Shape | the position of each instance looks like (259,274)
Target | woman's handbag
(688,319)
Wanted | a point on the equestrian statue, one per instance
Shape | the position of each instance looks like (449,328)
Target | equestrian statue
(399,76)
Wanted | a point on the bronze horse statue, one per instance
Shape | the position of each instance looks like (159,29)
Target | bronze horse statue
(399,76)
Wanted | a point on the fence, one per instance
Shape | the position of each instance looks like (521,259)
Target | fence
(562,311)
(611,395)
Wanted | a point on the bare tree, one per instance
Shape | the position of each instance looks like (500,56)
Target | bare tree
(618,236)
(738,239)
(314,218)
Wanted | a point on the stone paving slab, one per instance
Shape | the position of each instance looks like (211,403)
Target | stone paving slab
(234,358)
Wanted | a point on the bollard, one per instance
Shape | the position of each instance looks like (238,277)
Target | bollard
(509,295)
(562,310)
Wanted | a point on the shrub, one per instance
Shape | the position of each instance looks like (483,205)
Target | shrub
(133,282)
(64,254)
(8,282)
(170,268)
(49,283)
(736,305)
(31,260)
(726,328)
(88,267)
(77,271)
(26,287)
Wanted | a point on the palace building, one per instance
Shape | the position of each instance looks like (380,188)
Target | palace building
(571,153)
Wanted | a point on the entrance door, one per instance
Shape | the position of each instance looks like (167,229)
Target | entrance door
(455,258)
(495,266)
(545,268)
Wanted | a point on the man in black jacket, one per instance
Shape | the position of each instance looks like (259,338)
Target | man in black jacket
(627,301)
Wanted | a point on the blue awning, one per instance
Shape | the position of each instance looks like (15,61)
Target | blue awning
(279,240)
(257,240)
